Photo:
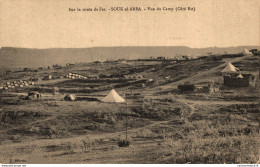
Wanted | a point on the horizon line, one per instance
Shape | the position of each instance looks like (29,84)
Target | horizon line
(130,46)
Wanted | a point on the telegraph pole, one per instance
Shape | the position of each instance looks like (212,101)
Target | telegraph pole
(259,73)
(126,121)
(126,129)
(126,118)
(1,94)
(258,93)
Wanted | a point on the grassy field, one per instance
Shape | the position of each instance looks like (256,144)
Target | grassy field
(164,125)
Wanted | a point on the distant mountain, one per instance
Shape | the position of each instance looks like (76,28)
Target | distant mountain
(23,57)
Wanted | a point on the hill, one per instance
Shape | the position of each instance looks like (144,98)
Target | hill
(24,57)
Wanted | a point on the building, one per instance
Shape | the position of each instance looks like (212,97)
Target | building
(160,58)
(240,80)
(8,72)
(185,57)
(255,51)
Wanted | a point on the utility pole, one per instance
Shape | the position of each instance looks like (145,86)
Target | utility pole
(258,93)
(1,100)
(1,94)
(126,117)
(259,73)
(126,129)
(126,121)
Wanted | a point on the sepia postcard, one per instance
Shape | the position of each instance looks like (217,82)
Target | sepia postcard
(129,82)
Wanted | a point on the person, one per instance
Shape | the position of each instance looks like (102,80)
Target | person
(163,134)
(182,116)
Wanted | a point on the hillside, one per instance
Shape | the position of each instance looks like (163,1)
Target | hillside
(164,124)
(22,57)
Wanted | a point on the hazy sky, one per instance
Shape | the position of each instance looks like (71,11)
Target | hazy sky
(49,24)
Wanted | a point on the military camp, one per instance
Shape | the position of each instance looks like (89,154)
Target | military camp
(159,109)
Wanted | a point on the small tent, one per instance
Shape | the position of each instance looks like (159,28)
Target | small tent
(240,76)
(113,97)
(69,97)
(246,52)
(229,68)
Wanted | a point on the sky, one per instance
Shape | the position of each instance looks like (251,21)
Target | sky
(49,24)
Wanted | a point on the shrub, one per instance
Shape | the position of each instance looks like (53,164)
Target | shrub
(186,87)
(144,133)
(105,117)
(214,144)
(123,143)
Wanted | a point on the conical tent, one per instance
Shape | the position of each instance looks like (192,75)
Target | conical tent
(69,97)
(246,52)
(230,68)
(240,76)
(113,97)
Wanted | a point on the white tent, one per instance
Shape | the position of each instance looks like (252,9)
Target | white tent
(113,97)
(69,97)
(229,68)
(240,76)
(246,52)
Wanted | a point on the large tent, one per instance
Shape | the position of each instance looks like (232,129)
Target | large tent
(113,97)
(246,52)
(229,68)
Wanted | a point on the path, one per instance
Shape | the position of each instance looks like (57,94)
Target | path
(44,142)
(27,125)
(207,102)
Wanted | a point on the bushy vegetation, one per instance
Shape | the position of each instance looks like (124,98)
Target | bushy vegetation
(214,144)
(224,135)
(13,117)
(105,117)
(242,108)
(187,87)
(156,110)
(123,143)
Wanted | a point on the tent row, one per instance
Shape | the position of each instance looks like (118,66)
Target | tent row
(14,84)
(76,76)
(134,76)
